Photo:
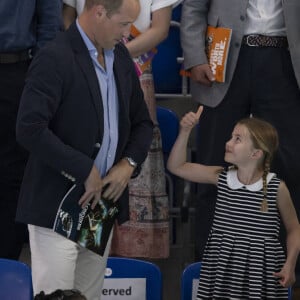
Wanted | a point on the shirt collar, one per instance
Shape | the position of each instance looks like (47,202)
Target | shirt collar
(234,183)
(85,38)
(91,47)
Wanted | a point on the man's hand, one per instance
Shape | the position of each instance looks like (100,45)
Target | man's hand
(93,188)
(117,179)
(202,74)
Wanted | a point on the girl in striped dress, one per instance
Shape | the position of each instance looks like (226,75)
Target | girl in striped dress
(243,258)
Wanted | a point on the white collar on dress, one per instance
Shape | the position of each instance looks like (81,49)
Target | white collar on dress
(234,183)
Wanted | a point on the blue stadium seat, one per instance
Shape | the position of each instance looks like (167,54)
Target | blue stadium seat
(168,123)
(189,281)
(134,279)
(165,67)
(15,280)
(169,127)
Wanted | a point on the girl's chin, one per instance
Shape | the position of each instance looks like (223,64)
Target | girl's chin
(226,159)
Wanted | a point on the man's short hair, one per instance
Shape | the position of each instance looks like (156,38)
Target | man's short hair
(112,6)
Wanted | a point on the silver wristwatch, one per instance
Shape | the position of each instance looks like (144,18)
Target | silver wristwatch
(131,161)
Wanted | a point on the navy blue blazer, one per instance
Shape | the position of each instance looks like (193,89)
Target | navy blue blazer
(60,120)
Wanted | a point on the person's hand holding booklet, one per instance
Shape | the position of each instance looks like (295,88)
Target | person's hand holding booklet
(217,45)
(90,228)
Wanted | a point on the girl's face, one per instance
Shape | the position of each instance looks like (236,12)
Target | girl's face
(239,149)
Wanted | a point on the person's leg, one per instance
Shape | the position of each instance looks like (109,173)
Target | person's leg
(214,130)
(12,159)
(90,271)
(12,234)
(277,100)
(53,260)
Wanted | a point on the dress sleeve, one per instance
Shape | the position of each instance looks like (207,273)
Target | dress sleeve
(158,4)
(70,3)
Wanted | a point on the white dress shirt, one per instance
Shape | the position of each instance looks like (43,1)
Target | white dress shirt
(265,17)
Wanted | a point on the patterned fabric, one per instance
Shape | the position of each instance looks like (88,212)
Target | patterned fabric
(243,249)
(146,234)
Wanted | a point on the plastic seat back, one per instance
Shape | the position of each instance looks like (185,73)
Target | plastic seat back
(15,280)
(131,279)
(189,281)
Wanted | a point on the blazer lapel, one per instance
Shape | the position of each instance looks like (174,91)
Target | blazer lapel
(86,64)
(122,107)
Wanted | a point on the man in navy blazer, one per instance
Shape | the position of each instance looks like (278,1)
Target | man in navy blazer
(82,99)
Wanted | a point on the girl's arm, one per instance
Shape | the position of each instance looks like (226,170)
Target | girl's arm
(157,32)
(291,223)
(69,15)
(177,163)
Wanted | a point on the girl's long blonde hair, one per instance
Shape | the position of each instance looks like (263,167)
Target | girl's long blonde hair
(264,137)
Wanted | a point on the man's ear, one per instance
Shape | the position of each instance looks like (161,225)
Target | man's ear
(100,11)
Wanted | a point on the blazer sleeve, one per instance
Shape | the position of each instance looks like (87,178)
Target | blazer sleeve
(37,117)
(192,32)
(139,136)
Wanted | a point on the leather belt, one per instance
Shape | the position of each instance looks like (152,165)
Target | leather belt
(14,57)
(258,40)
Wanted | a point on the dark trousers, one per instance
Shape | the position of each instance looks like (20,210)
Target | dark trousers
(12,159)
(264,85)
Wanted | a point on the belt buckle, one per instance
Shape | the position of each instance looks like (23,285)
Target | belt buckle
(247,40)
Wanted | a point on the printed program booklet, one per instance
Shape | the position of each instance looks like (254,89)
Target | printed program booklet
(217,47)
(90,228)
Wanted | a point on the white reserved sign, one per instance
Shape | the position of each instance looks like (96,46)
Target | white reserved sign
(195,288)
(124,289)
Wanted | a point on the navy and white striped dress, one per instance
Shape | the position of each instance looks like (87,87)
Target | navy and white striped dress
(243,249)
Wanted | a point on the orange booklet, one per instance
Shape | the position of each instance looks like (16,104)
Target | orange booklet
(217,47)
